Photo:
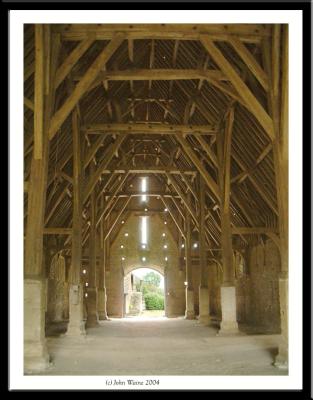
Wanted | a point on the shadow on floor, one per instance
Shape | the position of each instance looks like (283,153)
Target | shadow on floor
(55,329)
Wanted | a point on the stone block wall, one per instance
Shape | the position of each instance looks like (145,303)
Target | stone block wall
(124,259)
(257,288)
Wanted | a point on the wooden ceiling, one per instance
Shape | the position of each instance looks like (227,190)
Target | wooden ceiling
(155,100)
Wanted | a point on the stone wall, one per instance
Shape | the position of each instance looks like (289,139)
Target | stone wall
(257,288)
(57,290)
(124,260)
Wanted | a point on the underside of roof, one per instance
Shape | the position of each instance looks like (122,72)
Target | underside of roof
(160,107)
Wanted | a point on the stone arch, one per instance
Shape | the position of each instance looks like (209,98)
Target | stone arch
(129,268)
(129,295)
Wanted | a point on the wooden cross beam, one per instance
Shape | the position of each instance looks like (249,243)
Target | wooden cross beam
(251,102)
(250,33)
(174,218)
(106,160)
(250,61)
(243,230)
(150,128)
(193,157)
(60,116)
(116,219)
(71,60)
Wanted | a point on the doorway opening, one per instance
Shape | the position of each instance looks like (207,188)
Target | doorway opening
(144,293)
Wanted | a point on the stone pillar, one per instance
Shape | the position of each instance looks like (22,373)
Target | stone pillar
(190,304)
(92,311)
(56,289)
(36,357)
(228,303)
(102,304)
(102,296)
(228,289)
(204,300)
(281,360)
(279,109)
(76,325)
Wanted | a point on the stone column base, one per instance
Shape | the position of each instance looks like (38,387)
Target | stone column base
(204,312)
(190,305)
(102,299)
(281,360)
(92,312)
(36,357)
(229,325)
(228,328)
(76,325)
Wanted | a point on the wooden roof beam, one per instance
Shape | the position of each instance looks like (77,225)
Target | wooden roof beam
(107,206)
(57,231)
(39,88)
(123,169)
(71,60)
(107,234)
(250,61)
(244,230)
(182,196)
(60,115)
(193,157)
(150,128)
(250,33)
(251,101)
(105,162)
(174,218)
(161,74)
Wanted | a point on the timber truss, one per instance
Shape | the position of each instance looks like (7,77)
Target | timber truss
(192,107)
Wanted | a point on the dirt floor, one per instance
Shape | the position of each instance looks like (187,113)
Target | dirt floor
(160,346)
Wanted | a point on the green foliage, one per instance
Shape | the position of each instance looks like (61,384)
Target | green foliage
(154,301)
(152,279)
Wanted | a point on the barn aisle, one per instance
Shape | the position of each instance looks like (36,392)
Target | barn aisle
(162,346)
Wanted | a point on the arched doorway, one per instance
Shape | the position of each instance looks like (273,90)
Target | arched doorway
(144,292)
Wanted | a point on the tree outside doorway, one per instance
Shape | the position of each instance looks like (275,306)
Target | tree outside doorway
(148,286)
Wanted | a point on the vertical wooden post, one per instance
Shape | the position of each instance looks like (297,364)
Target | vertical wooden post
(228,290)
(76,324)
(280,152)
(102,310)
(190,307)
(204,313)
(39,90)
(92,312)
(275,58)
(224,156)
(35,352)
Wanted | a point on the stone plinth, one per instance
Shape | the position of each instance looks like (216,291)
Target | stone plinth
(102,308)
(204,306)
(76,325)
(190,304)
(281,360)
(92,312)
(36,357)
(229,323)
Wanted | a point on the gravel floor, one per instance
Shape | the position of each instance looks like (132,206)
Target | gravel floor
(160,346)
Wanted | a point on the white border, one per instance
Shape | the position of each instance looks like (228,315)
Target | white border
(294,19)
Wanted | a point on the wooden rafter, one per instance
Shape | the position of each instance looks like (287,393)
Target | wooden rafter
(59,117)
(191,154)
(150,128)
(71,60)
(109,155)
(251,101)
(250,33)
